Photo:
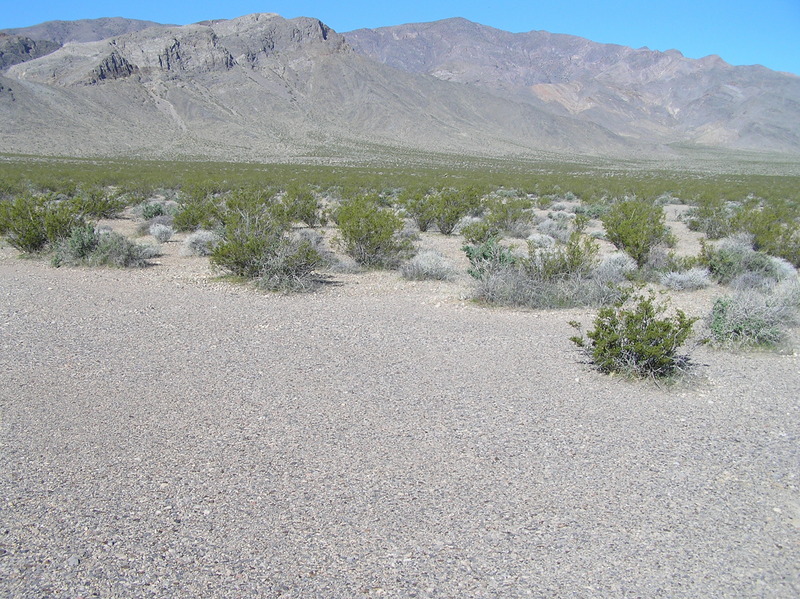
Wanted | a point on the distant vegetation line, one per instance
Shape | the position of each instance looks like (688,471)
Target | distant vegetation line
(589,183)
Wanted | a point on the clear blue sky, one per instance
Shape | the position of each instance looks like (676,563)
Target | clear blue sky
(766,32)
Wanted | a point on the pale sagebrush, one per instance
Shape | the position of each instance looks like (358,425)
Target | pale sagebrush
(162,233)
(428,264)
(540,240)
(751,317)
(614,268)
(200,243)
(694,278)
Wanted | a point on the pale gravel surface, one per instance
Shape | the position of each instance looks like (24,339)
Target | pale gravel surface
(166,435)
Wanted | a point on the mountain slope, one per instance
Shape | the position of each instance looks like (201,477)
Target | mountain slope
(83,30)
(259,87)
(647,95)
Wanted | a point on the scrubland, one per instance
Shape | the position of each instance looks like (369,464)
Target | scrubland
(333,381)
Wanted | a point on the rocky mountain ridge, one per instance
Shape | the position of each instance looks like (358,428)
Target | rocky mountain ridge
(644,94)
(261,87)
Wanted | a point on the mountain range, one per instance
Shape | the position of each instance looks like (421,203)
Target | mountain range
(261,87)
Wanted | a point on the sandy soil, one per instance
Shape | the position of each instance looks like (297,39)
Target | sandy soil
(167,434)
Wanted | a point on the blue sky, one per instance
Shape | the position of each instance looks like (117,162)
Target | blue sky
(765,32)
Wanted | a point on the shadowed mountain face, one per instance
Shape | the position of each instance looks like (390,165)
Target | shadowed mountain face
(261,87)
(657,96)
(15,49)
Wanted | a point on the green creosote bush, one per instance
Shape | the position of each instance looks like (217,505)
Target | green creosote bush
(633,336)
(289,266)
(775,228)
(30,223)
(712,216)
(636,226)
(94,203)
(256,247)
(300,205)
(371,234)
(419,206)
(510,214)
(479,232)
(451,205)
(194,214)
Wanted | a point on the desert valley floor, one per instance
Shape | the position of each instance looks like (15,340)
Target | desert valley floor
(165,433)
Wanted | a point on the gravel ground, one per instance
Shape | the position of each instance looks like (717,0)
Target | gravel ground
(164,435)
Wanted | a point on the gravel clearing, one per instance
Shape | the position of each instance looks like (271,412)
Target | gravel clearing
(167,435)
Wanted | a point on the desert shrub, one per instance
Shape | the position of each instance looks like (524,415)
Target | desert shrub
(269,256)
(450,206)
(113,249)
(593,210)
(244,248)
(634,336)
(487,257)
(151,210)
(197,214)
(94,203)
(614,268)
(558,277)
(735,256)
(575,259)
(300,205)
(694,278)
(712,216)
(144,227)
(775,228)
(200,243)
(511,214)
(77,248)
(289,266)
(754,318)
(162,233)
(479,231)
(557,225)
(371,234)
(513,287)
(31,222)
(540,240)
(427,265)
(419,206)
(636,226)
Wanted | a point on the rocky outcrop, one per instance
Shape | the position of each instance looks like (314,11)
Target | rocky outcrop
(114,66)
